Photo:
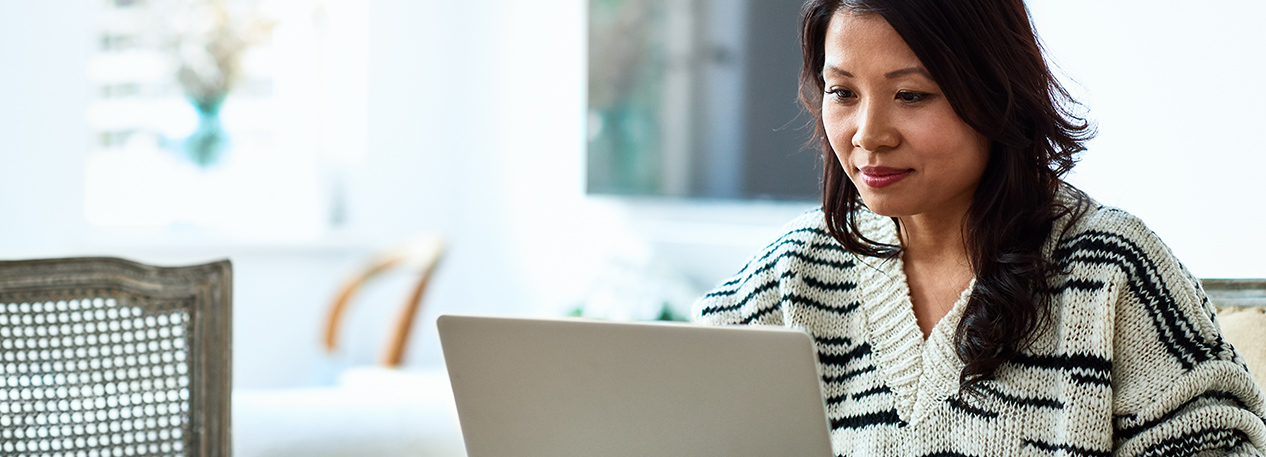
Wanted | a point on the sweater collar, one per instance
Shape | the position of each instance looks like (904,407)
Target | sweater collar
(921,373)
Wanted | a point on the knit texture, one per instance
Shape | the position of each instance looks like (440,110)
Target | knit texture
(1131,364)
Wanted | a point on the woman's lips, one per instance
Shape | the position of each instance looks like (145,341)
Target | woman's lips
(877,177)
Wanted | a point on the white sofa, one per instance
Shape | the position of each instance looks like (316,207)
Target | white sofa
(369,411)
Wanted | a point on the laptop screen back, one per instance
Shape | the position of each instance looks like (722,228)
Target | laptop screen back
(561,388)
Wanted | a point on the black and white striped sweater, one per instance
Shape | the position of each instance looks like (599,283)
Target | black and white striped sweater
(1132,363)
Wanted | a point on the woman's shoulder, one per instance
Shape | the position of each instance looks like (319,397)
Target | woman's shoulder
(804,240)
(805,233)
(1109,241)
(804,256)
(813,224)
(1084,217)
(809,234)
(1094,220)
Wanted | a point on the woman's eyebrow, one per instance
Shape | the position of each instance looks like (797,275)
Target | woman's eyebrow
(889,75)
(906,71)
(836,70)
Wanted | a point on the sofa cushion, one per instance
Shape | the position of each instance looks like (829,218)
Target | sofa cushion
(1245,328)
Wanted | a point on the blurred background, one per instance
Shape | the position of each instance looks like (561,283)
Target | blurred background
(299,138)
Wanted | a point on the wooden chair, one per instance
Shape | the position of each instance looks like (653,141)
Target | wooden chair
(421,255)
(1241,308)
(376,409)
(107,357)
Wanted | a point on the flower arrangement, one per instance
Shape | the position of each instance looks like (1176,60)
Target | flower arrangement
(206,40)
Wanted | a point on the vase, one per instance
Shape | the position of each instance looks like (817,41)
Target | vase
(208,141)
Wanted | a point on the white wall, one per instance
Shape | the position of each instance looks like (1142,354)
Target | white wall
(475,130)
(1173,86)
(43,124)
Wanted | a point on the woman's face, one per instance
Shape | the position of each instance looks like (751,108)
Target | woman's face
(891,127)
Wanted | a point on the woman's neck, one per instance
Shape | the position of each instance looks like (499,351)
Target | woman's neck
(933,239)
(936,265)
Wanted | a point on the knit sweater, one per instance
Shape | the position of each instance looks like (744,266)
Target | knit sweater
(1132,362)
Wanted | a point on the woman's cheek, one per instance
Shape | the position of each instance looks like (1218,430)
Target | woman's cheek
(841,142)
(833,126)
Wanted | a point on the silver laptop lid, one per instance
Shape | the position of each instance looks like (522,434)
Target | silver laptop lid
(557,388)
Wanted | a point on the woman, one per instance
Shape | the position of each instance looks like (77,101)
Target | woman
(965,301)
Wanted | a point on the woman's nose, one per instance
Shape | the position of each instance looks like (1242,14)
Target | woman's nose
(875,130)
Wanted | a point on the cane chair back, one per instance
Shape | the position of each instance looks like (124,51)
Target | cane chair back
(103,357)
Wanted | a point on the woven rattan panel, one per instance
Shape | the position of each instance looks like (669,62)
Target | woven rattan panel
(103,375)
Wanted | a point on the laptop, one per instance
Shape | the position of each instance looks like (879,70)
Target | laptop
(558,388)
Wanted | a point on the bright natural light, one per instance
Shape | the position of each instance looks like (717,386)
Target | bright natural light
(249,142)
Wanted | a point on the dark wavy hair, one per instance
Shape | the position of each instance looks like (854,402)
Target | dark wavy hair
(986,58)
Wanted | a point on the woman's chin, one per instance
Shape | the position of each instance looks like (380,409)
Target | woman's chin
(884,207)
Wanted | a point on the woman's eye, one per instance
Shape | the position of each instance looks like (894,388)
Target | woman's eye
(841,94)
(911,97)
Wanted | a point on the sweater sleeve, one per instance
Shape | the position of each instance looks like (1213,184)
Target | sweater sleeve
(1179,389)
